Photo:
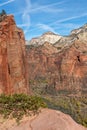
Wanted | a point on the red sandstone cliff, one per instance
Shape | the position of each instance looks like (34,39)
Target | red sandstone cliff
(63,71)
(12,58)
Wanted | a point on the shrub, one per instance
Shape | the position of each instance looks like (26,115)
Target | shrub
(18,105)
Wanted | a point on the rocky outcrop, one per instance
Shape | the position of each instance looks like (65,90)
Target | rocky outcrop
(58,41)
(46,120)
(72,68)
(53,71)
(60,67)
(12,58)
(79,33)
(46,37)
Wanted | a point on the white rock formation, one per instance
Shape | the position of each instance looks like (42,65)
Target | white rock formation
(46,37)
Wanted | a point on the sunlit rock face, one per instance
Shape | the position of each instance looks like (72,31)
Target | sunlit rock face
(72,68)
(46,37)
(63,71)
(81,33)
(60,66)
(12,58)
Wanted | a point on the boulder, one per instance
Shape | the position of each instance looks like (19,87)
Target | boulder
(46,120)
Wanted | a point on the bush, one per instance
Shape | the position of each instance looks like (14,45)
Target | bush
(18,105)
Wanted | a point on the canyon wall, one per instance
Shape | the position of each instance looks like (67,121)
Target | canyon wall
(53,71)
(12,58)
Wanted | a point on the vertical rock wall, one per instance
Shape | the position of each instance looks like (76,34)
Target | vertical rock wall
(12,58)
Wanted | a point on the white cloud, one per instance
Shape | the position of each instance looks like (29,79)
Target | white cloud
(5,3)
(30,8)
(45,27)
(52,10)
(69,18)
(47,8)
(22,25)
(59,24)
(35,8)
(26,16)
(65,28)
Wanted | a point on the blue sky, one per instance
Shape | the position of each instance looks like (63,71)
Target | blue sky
(38,16)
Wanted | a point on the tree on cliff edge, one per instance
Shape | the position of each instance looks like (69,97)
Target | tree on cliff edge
(3,12)
(2,15)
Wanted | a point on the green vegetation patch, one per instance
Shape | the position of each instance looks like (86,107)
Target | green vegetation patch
(76,107)
(18,105)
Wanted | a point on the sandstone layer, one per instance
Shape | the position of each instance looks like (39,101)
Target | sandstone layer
(12,58)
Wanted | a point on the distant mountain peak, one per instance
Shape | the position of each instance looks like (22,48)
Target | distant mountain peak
(57,40)
(85,25)
(46,37)
(49,33)
(80,29)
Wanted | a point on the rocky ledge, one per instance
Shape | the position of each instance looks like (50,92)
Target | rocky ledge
(46,120)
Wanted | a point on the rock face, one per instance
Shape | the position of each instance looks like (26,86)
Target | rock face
(46,120)
(46,37)
(12,58)
(60,41)
(72,68)
(63,71)
(80,33)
